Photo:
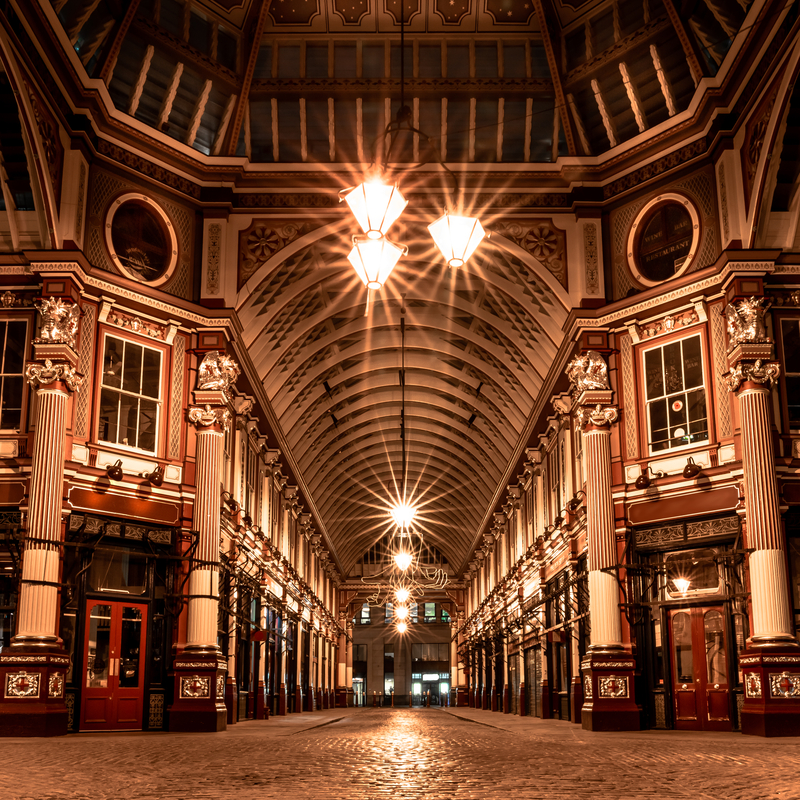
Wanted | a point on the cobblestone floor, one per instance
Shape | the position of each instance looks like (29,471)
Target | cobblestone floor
(402,754)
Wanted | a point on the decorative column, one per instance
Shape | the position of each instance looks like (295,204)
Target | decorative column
(33,669)
(349,662)
(771,660)
(609,703)
(200,669)
(262,707)
(341,665)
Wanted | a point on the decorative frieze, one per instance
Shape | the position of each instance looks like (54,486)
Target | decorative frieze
(135,324)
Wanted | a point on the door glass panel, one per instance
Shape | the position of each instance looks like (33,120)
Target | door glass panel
(684,659)
(98,647)
(129,655)
(715,647)
(115,570)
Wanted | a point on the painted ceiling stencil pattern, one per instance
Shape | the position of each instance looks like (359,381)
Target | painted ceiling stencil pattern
(477,345)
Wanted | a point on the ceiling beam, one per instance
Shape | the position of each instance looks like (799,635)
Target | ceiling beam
(109,58)
(255,23)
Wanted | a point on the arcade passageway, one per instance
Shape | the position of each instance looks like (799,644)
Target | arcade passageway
(403,754)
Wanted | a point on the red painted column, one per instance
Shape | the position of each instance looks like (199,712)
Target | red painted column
(771,660)
(33,670)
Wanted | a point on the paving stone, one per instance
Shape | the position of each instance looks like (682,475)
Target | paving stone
(401,754)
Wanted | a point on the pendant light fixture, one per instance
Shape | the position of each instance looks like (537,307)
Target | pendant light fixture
(378,202)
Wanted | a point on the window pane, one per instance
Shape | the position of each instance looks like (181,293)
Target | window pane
(151,373)
(128,417)
(791,344)
(486,60)
(289,61)
(514,61)
(344,60)
(107,431)
(372,56)
(673,368)
(653,374)
(692,362)
(793,393)
(316,60)
(148,423)
(132,368)
(112,363)
(458,61)
(15,347)
(12,402)
(430,61)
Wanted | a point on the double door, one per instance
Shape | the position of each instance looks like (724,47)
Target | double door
(112,697)
(700,687)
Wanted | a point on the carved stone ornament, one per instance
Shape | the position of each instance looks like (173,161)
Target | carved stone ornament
(207,416)
(221,687)
(746,322)
(195,687)
(786,685)
(759,372)
(587,687)
(217,371)
(55,685)
(588,371)
(597,416)
(47,373)
(59,321)
(752,685)
(22,684)
(613,686)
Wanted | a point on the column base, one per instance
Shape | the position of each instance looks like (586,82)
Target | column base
(506,700)
(547,704)
(282,701)
(771,677)
(262,709)
(523,701)
(200,701)
(576,700)
(298,701)
(609,701)
(461,697)
(344,697)
(32,691)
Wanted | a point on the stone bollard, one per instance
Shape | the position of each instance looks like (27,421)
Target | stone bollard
(410,700)
(374,700)
(392,698)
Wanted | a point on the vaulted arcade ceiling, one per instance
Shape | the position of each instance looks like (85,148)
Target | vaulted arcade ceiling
(292,93)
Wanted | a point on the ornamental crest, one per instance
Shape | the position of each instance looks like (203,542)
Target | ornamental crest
(55,685)
(759,372)
(785,685)
(588,371)
(613,686)
(746,322)
(752,685)
(22,684)
(59,321)
(195,687)
(217,371)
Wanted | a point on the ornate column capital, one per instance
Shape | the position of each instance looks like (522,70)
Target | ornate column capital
(759,371)
(208,416)
(598,416)
(39,375)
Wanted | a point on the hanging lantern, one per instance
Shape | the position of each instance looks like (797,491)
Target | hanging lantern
(374,259)
(456,237)
(375,205)
(403,560)
(403,515)
(401,595)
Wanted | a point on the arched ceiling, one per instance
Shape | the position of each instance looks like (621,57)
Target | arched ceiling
(478,343)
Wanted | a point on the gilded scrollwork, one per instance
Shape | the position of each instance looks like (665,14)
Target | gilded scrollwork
(206,416)
(44,374)
(598,416)
(758,372)
(22,684)
(217,371)
(59,321)
(746,322)
(587,372)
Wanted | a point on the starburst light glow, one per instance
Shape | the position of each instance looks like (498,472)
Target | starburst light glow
(401,612)
(401,595)
(403,514)
(375,205)
(682,585)
(402,627)
(374,259)
(403,560)
(456,237)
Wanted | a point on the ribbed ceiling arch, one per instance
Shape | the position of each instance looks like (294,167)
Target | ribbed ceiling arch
(478,343)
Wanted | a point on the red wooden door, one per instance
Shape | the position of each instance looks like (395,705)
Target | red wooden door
(701,691)
(113,682)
